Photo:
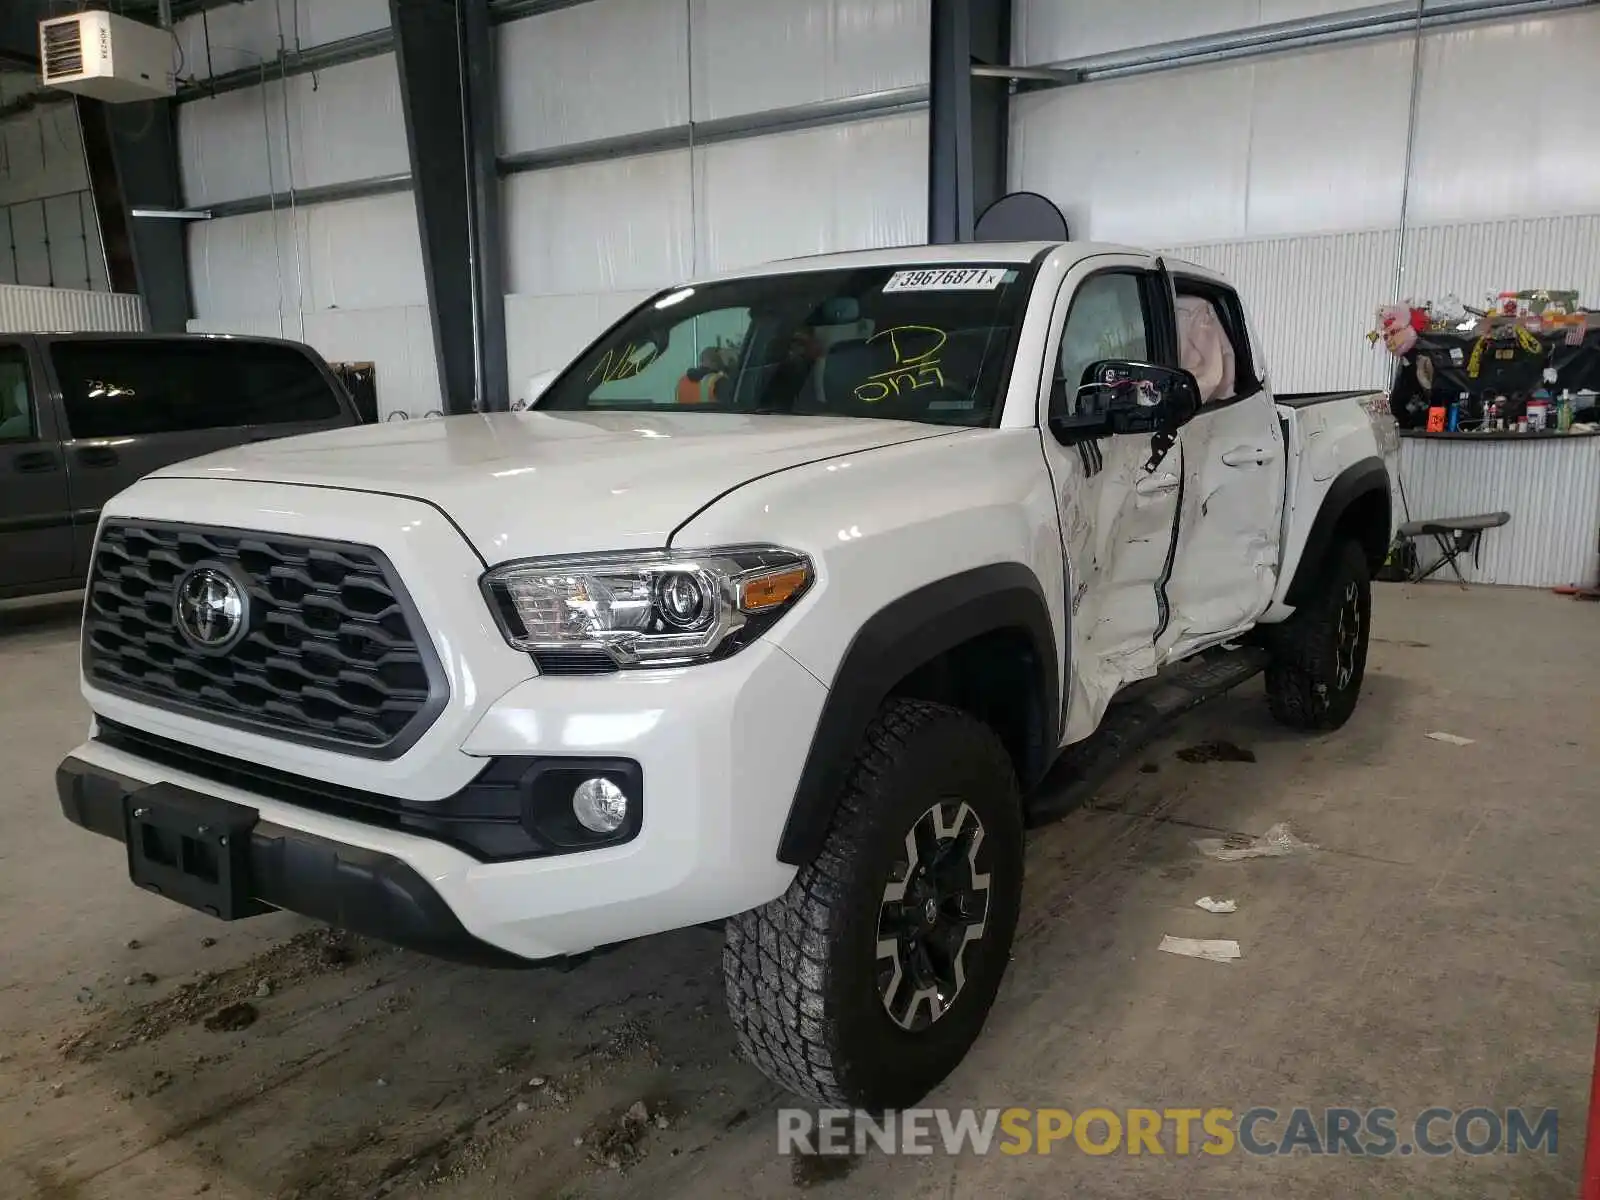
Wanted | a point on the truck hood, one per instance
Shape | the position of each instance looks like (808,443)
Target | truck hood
(536,483)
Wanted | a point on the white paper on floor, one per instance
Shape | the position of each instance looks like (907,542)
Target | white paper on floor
(1212,951)
(1453,739)
(1216,906)
(1277,842)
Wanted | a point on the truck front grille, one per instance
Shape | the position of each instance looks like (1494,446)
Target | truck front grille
(326,648)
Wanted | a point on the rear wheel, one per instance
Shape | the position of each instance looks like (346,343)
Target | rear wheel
(868,980)
(1319,655)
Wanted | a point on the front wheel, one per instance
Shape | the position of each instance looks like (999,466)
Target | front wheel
(1319,655)
(867,981)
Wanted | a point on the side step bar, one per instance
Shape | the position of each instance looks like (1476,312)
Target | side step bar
(1133,721)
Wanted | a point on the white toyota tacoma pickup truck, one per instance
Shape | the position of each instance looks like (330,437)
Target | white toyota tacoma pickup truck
(773,611)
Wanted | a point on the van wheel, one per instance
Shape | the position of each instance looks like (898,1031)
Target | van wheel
(867,981)
(1319,655)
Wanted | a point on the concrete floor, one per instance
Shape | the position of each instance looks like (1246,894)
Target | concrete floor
(1438,950)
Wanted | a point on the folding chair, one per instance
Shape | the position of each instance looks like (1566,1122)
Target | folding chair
(1455,536)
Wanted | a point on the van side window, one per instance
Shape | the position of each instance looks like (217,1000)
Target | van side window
(16,398)
(134,386)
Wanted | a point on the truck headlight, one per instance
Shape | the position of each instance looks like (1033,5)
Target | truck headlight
(598,612)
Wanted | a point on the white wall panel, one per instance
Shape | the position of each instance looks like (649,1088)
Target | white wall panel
(345,123)
(1054,30)
(840,187)
(1478,258)
(69,245)
(546,332)
(808,50)
(32,250)
(1544,160)
(1550,487)
(42,310)
(620,225)
(243,35)
(596,70)
(1304,143)
(41,154)
(352,254)
(1130,160)
(1312,300)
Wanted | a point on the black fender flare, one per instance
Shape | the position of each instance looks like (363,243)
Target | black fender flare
(1355,482)
(902,636)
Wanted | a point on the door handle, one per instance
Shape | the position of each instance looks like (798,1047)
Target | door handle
(1156,485)
(1249,456)
(36,462)
(98,456)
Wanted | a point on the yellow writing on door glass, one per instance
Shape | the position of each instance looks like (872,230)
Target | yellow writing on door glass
(622,362)
(916,362)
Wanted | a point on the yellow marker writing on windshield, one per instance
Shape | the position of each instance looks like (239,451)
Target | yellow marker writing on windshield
(916,362)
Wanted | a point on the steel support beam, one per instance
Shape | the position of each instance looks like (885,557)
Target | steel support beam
(446,63)
(969,114)
(132,154)
(1337,29)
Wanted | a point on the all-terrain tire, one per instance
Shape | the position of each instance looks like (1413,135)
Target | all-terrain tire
(805,974)
(1319,655)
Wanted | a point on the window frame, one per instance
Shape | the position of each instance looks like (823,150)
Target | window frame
(1159,321)
(1224,300)
(36,418)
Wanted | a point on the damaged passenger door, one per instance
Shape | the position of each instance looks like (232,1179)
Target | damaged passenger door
(1226,564)
(1119,493)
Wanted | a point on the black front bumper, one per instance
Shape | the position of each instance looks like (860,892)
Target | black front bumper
(348,887)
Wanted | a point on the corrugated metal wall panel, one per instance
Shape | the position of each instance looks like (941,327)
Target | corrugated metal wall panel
(810,50)
(1476,259)
(1312,300)
(1550,486)
(47,310)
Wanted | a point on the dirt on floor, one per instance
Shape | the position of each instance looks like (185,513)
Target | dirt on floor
(1436,948)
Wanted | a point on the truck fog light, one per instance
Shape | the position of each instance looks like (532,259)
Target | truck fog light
(600,805)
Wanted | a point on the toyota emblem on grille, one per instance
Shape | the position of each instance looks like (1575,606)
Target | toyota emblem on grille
(210,608)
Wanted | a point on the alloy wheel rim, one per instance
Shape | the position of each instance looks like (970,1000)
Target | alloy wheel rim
(935,908)
(1347,636)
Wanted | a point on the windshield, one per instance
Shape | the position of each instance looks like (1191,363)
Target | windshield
(927,344)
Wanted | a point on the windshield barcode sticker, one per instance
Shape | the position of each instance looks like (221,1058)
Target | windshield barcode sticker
(948,279)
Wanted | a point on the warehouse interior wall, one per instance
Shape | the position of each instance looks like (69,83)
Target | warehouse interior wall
(585,242)
(49,234)
(343,276)
(1289,172)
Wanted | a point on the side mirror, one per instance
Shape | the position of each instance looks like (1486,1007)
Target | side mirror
(1128,397)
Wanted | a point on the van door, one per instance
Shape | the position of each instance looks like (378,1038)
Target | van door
(135,404)
(35,520)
